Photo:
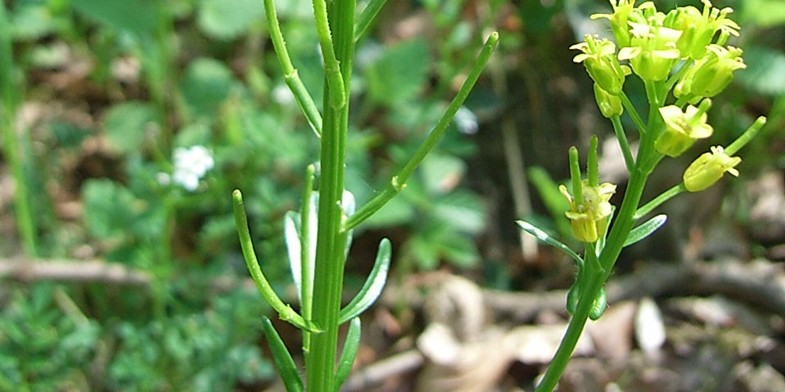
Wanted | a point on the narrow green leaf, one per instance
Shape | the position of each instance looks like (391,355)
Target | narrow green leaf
(349,352)
(546,238)
(285,312)
(373,285)
(283,360)
(645,229)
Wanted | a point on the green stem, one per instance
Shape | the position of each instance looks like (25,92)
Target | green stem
(618,129)
(745,137)
(332,67)
(12,144)
(595,279)
(291,77)
(657,201)
(636,118)
(328,275)
(398,182)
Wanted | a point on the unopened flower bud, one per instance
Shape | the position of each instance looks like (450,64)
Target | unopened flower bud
(711,74)
(708,169)
(609,104)
(599,58)
(682,128)
(619,20)
(699,28)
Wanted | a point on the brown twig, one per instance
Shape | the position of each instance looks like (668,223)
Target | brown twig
(72,271)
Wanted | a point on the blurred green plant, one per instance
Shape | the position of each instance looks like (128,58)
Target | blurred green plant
(46,343)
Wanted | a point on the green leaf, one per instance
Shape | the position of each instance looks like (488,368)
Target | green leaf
(349,353)
(463,211)
(548,239)
(765,68)
(205,86)
(373,285)
(126,124)
(399,74)
(645,229)
(226,20)
(108,208)
(282,358)
(140,17)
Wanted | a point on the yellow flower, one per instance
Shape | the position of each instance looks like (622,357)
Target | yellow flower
(589,216)
(682,128)
(709,168)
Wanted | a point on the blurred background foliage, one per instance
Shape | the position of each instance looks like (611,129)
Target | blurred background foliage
(107,90)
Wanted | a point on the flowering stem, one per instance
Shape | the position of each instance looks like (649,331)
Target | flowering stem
(594,280)
(398,182)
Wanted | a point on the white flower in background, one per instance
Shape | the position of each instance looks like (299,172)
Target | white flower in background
(190,165)
(282,95)
(466,121)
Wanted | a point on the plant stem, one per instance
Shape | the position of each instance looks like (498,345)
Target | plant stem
(595,279)
(12,146)
(330,241)
(657,201)
(618,129)
(291,77)
(398,182)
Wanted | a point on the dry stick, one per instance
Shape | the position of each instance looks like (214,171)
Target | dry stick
(72,271)
(516,168)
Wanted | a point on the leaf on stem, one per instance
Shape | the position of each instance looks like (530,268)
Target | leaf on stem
(283,360)
(285,311)
(645,229)
(373,285)
(349,353)
(548,239)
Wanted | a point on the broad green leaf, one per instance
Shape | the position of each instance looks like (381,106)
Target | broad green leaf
(645,229)
(139,17)
(282,358)
(548,239)
(373,285)
(398,75)
(462,211)
(349,353)
(205,86)
(226,20)
(442,173)
(108,208)
(126,124)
